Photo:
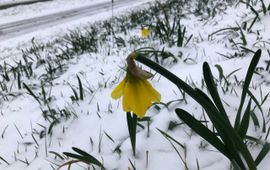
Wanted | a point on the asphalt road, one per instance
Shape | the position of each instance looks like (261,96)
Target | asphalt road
(13,29)
(13,4)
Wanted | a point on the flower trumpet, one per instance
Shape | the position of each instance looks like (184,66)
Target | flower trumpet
(138,94)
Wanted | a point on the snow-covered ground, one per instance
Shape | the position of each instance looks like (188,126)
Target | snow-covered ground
(97,124)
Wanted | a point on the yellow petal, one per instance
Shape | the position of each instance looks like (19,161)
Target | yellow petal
(118,90)
(151,92)
(129,99)
(141,103)
(138,96)
(148,95)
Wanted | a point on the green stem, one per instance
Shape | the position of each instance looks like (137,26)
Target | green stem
(132,123)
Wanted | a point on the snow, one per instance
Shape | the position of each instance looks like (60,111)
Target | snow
(22,122)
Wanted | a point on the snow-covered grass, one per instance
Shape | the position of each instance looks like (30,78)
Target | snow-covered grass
(56,94)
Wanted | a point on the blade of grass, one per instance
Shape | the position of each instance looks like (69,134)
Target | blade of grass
(255,119)
(80,87)
(171,138)
(84,157)
(176,150)
(263,153)
(83,153)
(133,166)
(1,158)
(31,93)
(260,108)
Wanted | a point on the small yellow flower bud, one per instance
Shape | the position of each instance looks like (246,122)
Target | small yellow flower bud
(145,32)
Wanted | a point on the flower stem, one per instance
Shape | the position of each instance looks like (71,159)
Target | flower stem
(132,123)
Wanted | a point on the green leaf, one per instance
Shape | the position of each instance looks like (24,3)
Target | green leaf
(231,139)
(55,122)
(255,119)
(260,108)
(224,29)
(228,136)
(220,70)
(263,153)
(80,87)
(188,40)
(78,157)
(242,131)
(176,150)
(108,136)
(1,158)
(133,166)
(171,138)
(44,94)
(75,97)
(248,78)
(84,157)
(232,72)
(209,80)
(19,80)
(31,93)
(253,139)
(57,155)
(132,123)
(263,7)
(204,132)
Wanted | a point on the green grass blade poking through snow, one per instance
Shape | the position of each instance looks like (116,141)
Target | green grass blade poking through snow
(265,150)
(80,87)
(31,93)
(260,108)
(83,157)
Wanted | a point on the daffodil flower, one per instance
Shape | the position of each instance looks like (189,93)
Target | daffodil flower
(145,32)
(138,94)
